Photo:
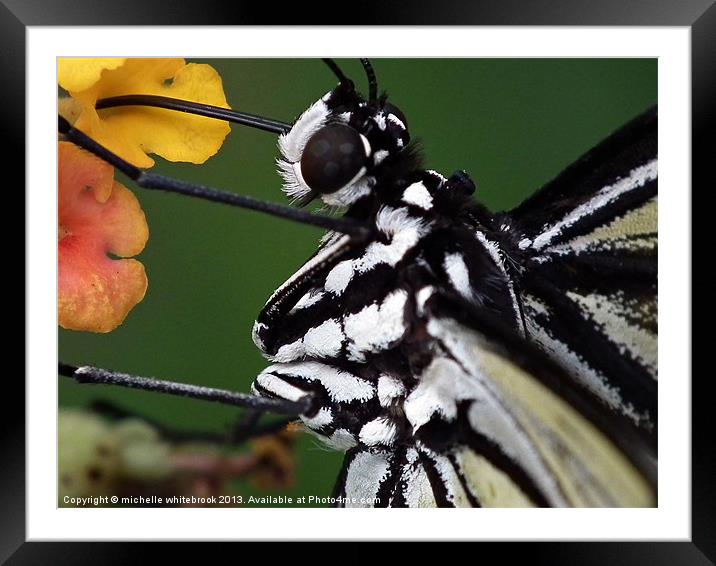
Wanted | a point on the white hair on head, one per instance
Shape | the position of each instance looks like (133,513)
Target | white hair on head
(359,187)
(292,143)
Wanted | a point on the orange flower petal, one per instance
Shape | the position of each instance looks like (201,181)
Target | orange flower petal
(79,170)
(95,295)
(95,291)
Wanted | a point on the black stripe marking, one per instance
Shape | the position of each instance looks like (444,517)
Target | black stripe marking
(598,270)
(569,325)
(463,481)
(339,489)
(390,483)
(440,491)
(487,448)
(603,215)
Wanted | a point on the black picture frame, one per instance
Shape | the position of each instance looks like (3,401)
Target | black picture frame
(699,15)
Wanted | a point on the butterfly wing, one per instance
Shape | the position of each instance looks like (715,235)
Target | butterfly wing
(588,269)
(498,424)
(411,476)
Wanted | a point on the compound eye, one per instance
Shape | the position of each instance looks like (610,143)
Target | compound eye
(332,158)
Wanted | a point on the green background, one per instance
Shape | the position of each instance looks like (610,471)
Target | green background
(511,123)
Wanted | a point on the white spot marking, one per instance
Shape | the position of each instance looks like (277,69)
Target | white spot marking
(379,156)
(322,418)
(322,341)
(278,386)
(389,388)
(342,387)
(341,439)
(325,340)
(440,387)
(380,431)
(309,299)
(458,274)
(406,232)
(375,328)
(379,119)
(418,195)
(397,121)
(289,352)
(366,473)
(423,295)
(339,277)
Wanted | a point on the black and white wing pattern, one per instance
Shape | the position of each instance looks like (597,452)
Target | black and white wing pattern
(497,425)
(587,244)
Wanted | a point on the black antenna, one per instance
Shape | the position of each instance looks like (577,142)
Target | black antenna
(372,81)
(153,181)
(258,122)
(333,66)
(95,375)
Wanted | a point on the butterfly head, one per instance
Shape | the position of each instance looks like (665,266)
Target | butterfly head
(339,147)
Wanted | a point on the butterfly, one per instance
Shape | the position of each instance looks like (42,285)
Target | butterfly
(462,357)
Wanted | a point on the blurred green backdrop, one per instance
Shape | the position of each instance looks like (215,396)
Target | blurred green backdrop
(511,123)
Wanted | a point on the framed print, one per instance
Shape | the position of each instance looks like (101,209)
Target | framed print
(318,471)
(428,351)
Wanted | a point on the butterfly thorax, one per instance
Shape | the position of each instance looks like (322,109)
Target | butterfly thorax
(350,325)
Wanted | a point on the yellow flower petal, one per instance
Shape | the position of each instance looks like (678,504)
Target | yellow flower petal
(137,76)
(80,73)
(134,131)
